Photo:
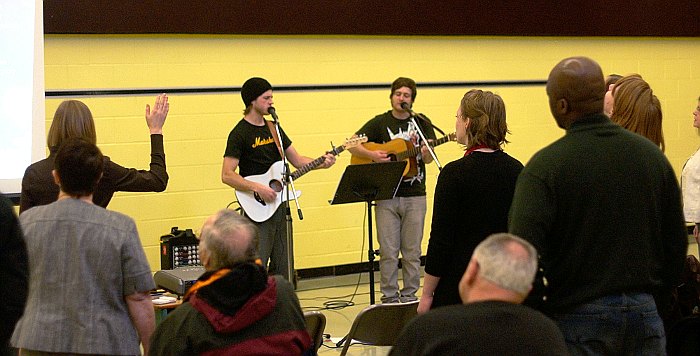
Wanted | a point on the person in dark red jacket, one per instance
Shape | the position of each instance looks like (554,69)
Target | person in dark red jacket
(235,308)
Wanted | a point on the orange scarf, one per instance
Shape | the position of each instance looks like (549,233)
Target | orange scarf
(218,274)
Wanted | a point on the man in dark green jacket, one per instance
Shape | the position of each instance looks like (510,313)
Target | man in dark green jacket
(602,207)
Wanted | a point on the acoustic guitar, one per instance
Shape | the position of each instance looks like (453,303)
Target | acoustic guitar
(258,209)
(399,149)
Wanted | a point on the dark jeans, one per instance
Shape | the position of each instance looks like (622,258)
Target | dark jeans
(272,243)
(624,324)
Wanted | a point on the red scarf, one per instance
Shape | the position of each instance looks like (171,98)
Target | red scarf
(474,148)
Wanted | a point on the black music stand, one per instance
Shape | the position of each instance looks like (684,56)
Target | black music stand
(367,183)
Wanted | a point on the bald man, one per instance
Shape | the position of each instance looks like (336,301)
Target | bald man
(602,207)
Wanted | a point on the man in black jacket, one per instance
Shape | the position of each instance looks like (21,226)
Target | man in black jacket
(491,321)
(14,273)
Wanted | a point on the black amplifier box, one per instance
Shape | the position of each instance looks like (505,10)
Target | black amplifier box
(179,249)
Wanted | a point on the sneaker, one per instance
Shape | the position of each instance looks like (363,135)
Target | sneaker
(407,298)
(394,299)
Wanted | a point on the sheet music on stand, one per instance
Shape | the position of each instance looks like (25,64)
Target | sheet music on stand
(367,183)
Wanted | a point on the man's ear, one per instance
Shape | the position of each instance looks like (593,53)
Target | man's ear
(472,271)
(56,178)
(203,254)
(562,106)
(468,280)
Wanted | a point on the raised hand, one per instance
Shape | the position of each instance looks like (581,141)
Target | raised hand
(156,119)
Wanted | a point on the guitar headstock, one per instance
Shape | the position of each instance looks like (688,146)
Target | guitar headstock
(355,141)
(349,143)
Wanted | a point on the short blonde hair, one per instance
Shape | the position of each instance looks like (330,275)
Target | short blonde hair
(72,119)
(487,114)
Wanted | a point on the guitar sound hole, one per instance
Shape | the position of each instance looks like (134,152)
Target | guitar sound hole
(276,185)
(392,157)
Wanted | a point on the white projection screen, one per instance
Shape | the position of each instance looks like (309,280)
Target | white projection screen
(22,132)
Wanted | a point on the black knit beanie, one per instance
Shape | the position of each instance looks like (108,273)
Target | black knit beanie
(253,88)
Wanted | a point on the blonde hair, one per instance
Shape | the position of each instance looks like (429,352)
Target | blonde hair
(487,114)
(72,119)
(637,109)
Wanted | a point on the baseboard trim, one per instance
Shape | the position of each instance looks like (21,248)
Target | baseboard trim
(341,270)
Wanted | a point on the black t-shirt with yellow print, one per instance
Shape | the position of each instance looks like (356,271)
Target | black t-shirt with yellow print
(254,147)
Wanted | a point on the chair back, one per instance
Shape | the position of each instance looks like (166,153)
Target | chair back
(315,325)
(380,324)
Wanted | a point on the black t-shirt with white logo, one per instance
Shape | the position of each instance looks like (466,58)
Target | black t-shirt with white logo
(384,128)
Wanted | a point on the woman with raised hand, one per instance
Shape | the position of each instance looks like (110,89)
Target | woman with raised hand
(74,119)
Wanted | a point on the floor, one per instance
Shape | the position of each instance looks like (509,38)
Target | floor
(340,299)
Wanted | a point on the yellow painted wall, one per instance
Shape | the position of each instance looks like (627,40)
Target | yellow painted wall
(197,126)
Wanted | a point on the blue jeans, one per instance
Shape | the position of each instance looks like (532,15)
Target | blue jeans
(624,324)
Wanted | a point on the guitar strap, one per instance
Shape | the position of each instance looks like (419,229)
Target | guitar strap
(274,136)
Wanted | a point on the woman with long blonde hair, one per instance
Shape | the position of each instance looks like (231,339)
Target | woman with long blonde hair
(636,108)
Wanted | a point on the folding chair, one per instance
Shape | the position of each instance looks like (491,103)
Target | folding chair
(315,324)
(380,324)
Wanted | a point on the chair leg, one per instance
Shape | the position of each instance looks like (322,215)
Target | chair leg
(346,345)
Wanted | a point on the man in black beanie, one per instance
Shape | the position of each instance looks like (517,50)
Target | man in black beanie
(253,149)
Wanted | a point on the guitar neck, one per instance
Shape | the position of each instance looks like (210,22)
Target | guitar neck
(315,163)
(412,152)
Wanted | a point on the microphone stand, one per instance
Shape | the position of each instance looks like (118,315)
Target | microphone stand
(426,120)
(422,136)
(288,181)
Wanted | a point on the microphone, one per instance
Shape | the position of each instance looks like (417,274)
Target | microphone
(272,112)
(407,107)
